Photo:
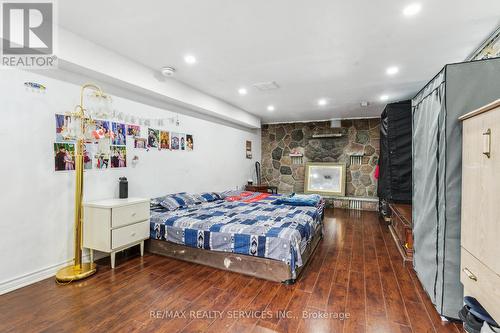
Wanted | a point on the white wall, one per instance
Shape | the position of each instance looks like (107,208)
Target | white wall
(37,203)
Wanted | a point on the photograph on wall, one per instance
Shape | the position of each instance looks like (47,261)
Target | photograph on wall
(119,134)
(182,141)
(89,153)
(101,156)
(65,128)
(164,140)
(64,156)
(118,156)
(140,143)
(153,137)
(101,161)
(101,129)
(134,130)
(189,142)
(248,149)
(175,141)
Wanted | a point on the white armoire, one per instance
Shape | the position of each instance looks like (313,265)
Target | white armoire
(480,234)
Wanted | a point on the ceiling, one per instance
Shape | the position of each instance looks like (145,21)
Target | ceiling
(333,49)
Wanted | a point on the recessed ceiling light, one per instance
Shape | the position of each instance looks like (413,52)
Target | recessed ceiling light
(242,91)
(322,102)
(412,9)
(384,97)
(392,70)
(190,59)
(270,108)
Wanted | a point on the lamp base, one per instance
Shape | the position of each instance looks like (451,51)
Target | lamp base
(73,272)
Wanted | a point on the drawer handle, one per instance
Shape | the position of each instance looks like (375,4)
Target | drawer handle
(133,214)
(469,274)
(487,143)
(132,234)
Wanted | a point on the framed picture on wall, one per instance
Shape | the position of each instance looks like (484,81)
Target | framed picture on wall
(248,149)
(325,178)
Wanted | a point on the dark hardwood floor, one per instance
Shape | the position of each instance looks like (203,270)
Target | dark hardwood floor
(356,270)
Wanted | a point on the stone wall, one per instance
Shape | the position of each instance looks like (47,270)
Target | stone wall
(360,137)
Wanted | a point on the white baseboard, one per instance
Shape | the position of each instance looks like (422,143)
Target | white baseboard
(41,274)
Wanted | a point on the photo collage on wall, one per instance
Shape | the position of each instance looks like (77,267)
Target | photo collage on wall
(106,143)
(164,140)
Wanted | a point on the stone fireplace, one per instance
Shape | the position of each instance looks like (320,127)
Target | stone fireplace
(356,143)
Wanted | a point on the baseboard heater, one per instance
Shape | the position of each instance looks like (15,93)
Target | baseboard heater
(355,204)
(352,203)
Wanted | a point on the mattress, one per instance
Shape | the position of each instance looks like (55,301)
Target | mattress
(276,232)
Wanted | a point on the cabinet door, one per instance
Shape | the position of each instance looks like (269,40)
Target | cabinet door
(481,188)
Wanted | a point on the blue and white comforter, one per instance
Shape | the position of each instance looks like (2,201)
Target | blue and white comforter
(270,231)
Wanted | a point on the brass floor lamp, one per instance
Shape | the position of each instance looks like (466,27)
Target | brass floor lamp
(80,270)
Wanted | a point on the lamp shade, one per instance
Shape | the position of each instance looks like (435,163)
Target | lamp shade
(99,106)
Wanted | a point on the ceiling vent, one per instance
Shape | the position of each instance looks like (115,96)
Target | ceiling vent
(265,86)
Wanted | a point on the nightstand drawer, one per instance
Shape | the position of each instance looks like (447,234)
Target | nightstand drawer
(480,282)
(129,234)
(129,214)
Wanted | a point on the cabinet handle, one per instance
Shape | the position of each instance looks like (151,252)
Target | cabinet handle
(487,143)
(133,214)
(132,234)
(469,274)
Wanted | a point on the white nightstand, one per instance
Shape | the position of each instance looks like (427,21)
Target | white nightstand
(114,225)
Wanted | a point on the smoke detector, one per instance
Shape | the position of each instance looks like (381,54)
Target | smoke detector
(265,86)
(167,71)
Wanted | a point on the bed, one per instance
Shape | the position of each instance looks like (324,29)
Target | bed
(244,233)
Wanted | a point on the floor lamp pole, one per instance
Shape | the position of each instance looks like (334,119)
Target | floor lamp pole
(79,270)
